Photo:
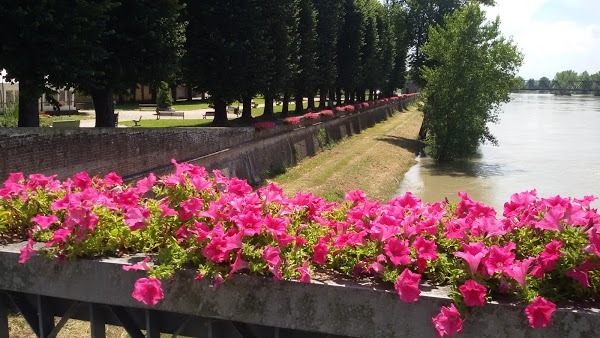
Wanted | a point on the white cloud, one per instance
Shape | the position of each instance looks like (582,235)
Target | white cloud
(549,46)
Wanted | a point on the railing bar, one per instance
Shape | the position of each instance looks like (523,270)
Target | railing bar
(26,309)
(181,327)
(152,324)
(126,321)
(63,320)
(97,322)
(3,315)
(45,317)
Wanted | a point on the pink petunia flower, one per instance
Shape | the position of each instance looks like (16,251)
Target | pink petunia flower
(519,270)
(580,276)
(45,221)
(148,291)
(398,251)
(473,293)
(27,252)
(320,251)
(238,264)
(137,218)
(473,253)
(448,321)
(304,272)
(425,249)
(407,286)
(141,266)
(499,258)
(539,312)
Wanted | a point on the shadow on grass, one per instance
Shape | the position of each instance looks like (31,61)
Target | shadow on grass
(414,146)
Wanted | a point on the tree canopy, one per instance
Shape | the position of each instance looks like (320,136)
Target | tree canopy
(470,54)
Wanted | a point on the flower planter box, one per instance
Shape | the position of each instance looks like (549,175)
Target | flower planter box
(328,306)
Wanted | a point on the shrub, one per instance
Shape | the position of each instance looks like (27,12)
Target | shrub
(164,98)
(311,116)
(292,120)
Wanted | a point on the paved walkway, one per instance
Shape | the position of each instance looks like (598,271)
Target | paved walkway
(130,115)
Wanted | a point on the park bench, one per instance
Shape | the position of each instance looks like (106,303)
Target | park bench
(147,105)
(234,110)
(137,122)
(168,112)
(208,113)
(66,124)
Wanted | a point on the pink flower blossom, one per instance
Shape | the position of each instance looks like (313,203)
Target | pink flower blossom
(407,286)
(148,291)
(304,273)
(271,256)
(539,312)
(448,321)
(27,251)
(45,221)
(473,293)
(398,251)
(473,253)
(519,270)
(145,184)
(320,251)
(141,266)
(425,249)
(136,218)
(552,220)
(264,125)
(292,120)
(499,258)
(112,179)
(580,276)
(238,264)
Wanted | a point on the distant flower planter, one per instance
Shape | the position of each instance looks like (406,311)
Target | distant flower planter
(264,125)
(310,118)
(327,115)
(293,121)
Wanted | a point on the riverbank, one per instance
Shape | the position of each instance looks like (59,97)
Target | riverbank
(374,161)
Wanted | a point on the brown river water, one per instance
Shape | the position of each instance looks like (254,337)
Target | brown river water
(546,142)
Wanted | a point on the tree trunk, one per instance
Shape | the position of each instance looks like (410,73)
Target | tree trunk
(371,95)
(347,98)
(311,101)
(189,93)
(104,106)
(220,113)
(338,94)
(268,112)
(247,109)
(285,109)
(299,105)
(29,112)
(323,99)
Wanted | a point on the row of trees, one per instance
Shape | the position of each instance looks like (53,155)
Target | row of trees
(232,49)
(563,78)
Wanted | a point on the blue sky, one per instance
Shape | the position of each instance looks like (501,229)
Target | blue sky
(554,35)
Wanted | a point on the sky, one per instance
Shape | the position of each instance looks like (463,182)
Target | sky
(554,35)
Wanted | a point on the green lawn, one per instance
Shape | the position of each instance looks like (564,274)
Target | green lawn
(168,123)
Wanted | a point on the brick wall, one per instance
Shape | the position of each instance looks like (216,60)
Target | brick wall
(132,152)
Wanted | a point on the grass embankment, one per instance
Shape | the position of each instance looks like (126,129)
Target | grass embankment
(374,161)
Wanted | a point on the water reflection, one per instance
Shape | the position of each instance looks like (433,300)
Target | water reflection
(548,143)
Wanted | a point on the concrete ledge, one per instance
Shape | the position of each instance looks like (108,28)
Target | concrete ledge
(329,305)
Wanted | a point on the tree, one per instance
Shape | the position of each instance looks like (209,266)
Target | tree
(423,15)
(461,98)
(330,18)
(401,39)
(305,80)
(47,43)
(544,82)
(164,98)
(566,77)
(350,48)
(280,20)
(145,48)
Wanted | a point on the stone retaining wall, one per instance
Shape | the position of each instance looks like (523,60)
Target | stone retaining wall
(131,153)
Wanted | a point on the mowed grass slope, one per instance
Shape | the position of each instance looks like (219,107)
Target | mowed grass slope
(374,161)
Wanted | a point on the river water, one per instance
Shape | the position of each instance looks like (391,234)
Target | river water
(546,142)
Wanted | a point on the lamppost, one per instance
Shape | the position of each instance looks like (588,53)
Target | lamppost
(2,75)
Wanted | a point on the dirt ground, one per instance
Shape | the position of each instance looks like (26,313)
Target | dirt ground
(374,161)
